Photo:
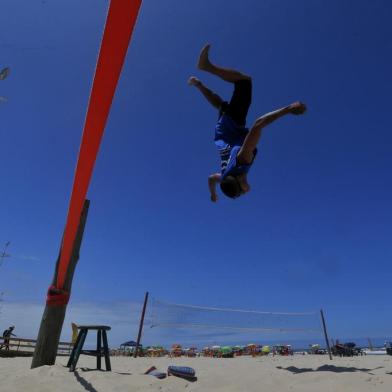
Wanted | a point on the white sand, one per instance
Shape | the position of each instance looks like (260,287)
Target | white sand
(297,373)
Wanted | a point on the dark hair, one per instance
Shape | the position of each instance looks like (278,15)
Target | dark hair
(230,187)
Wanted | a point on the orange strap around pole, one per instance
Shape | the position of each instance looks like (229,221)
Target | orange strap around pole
(119,25)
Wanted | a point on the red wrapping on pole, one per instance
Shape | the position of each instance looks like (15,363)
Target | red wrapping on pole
(119,25)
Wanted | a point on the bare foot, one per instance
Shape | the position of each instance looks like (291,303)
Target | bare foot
(204,62)
(194,81)
(298,108)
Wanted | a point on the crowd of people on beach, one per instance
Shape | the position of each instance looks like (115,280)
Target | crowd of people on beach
(349,349)
(215,351)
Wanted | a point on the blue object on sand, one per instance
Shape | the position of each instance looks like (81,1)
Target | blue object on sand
(182,371)
(157,374)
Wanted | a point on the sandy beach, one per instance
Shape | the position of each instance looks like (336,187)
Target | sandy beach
(296,373)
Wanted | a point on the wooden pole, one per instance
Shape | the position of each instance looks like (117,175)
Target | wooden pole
(325,334)
(4,254)
(371,347)
(139,335)
(53,317)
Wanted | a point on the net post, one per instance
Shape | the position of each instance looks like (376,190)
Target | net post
(53,317)
(325,334)
(139,335)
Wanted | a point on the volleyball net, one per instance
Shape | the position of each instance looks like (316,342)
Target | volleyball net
(190,324)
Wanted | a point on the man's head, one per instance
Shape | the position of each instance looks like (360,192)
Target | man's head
(234,186)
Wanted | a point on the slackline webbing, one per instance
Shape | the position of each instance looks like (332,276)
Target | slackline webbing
(120,22)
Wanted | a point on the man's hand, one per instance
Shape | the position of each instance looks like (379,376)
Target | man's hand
(213,179)
(4,73)
(194,81)
(214,198)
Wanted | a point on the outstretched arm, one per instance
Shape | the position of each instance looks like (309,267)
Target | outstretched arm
(214,99)
(245,155)
(214,179)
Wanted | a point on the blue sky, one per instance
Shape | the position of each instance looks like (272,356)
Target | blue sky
(314,231)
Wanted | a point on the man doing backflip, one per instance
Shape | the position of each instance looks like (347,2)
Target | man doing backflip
(237,145)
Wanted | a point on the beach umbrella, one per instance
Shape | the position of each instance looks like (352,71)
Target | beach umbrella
(265,349)
(130,343)
(226,349)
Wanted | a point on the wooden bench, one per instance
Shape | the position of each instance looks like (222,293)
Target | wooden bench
(19,347)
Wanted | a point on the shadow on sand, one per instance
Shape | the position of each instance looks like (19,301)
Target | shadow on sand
(85,369)
(84,383)
(329,368)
